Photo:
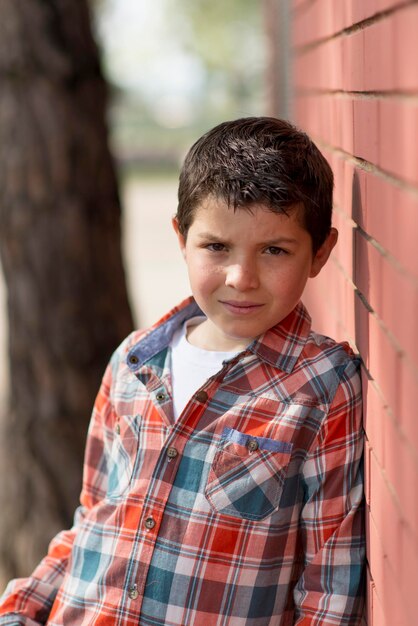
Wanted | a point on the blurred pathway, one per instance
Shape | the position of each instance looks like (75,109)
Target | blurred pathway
(155,270)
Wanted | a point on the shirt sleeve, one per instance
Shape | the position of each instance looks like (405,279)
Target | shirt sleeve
(28,601)
(330,590)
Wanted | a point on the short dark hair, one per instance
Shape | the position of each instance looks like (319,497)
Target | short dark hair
(258,160)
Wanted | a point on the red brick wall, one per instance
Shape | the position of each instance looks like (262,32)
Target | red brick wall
(355,82)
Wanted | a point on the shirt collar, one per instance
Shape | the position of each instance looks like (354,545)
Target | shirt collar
(282,344)
(279,346)
(160,335)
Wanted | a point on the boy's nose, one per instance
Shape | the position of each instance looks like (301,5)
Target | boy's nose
(242,277)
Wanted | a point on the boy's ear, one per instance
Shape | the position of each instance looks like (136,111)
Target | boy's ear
(180,237)
(322,255)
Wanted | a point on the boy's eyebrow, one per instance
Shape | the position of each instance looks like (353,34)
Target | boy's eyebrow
(280,241)
(210,236)
(270,242)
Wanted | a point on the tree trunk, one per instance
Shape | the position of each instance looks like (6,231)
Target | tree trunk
(61,257)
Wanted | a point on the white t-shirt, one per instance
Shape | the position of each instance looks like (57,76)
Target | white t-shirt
(191,366)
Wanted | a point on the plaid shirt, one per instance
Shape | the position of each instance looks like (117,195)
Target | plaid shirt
(247,511)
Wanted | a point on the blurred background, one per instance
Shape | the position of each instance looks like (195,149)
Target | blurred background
(99,102)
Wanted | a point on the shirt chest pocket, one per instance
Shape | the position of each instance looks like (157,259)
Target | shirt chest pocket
(123,454)
(247,475)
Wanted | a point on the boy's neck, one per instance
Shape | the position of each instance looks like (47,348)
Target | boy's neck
(206,336)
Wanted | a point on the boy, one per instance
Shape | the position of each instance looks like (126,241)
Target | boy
(222,481)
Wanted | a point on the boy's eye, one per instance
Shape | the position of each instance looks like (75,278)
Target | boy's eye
(275,250)
(215,247)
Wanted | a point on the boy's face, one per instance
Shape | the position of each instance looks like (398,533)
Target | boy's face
(247,270)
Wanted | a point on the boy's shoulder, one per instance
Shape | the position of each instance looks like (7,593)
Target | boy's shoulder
(322,344)
(326,363)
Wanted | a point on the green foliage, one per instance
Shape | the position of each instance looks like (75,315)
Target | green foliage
(228,39)
(225,34)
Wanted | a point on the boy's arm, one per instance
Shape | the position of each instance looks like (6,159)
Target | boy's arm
(28,601)
(331,587)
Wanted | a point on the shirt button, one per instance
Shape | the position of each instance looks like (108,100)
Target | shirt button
(160,397)
(201,396)
(253,445)
(172,453)
(149,523)
(133,592)
(133,360)
(117,428)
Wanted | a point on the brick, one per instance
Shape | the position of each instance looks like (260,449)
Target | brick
(359,203)
(347,125)
(349,188)
(369,599)
(341,307)
(319,67)
(409,572)
(326,108)
(385,549)
(390,216)
(405,48)
(338,18)
(353,62)
(362,323)
(306,69)
(390,293)
(366,129)
(347,310)
(333,57)
(327,118)
(355,12)
(327,296)
(378,616)
(386,515)
(333,126)
(361,274)
(375,554)
(338,308)
(395,300)
(307,114)
(337,164)
(374,417)
(384,5)
(393,601)
(398,123)
(384,364)
(402,471)
(397,306)
(337,122)
(401,468)
(380,66)
(408,402)
(367,453)
(376,58)
(358,10)
(314,23)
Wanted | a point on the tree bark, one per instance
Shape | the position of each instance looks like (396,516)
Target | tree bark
(61,256)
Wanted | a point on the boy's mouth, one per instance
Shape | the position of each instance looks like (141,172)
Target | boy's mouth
(244,307)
